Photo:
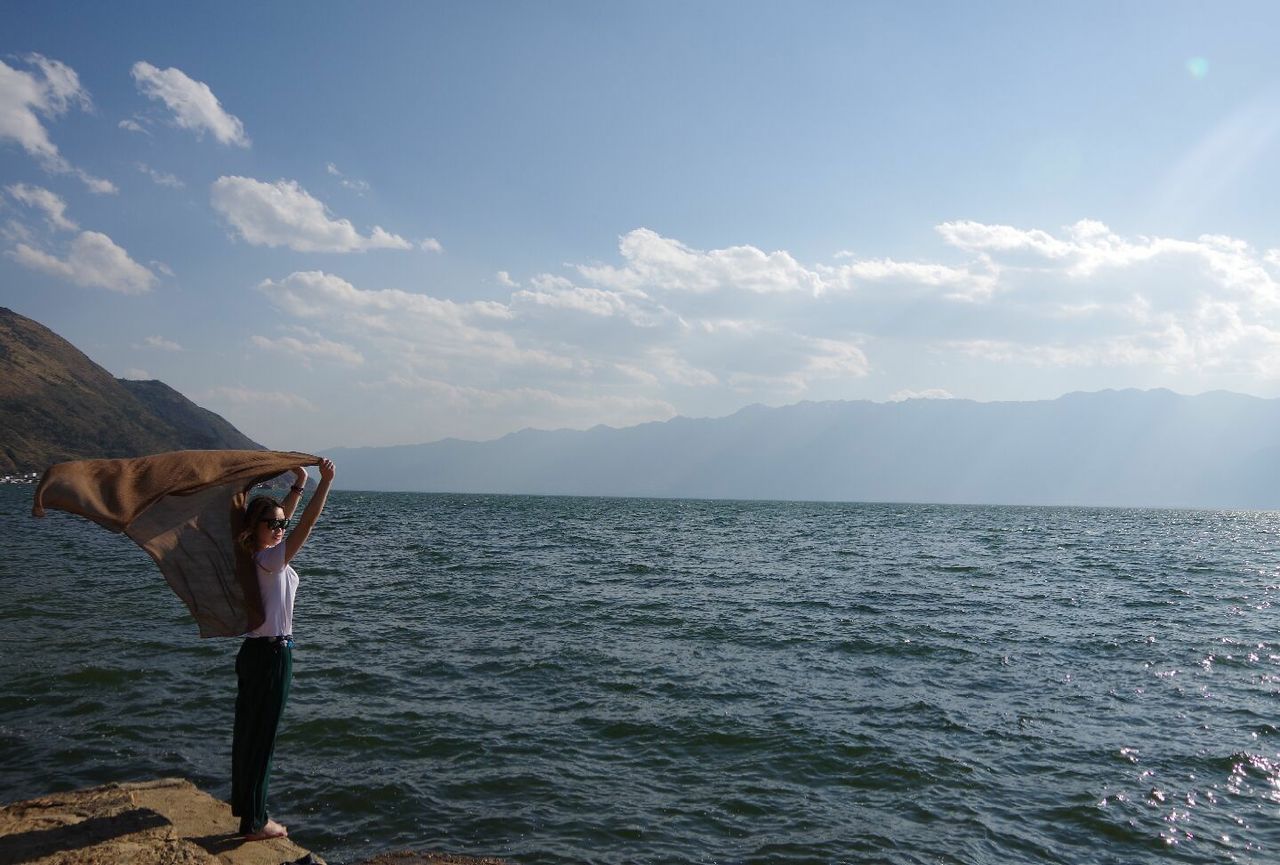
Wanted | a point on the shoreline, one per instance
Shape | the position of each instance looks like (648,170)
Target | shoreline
(166,821)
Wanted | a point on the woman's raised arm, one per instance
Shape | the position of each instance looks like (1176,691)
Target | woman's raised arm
(290,503)
(311,513)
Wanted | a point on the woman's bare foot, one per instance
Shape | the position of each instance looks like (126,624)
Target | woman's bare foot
(271,830)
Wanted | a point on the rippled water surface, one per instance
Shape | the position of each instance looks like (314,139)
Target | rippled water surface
(634,681)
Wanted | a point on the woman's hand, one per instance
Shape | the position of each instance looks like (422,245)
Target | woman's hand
(327,470)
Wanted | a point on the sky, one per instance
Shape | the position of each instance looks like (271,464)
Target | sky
(394,222)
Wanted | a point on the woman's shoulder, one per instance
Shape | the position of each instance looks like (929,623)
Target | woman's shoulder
(270,559)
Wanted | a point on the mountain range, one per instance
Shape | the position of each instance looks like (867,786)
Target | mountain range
(1110,448)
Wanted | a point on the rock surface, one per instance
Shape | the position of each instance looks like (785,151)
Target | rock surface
(164,822)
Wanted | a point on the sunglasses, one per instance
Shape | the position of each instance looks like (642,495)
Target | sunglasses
(274,523)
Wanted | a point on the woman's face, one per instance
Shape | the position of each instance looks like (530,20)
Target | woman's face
(270,529)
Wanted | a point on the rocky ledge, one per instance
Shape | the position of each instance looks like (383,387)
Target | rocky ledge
(165,822)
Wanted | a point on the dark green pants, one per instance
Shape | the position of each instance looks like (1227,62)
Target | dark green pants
(264,671)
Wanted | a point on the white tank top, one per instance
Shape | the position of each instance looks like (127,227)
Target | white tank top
(278,582)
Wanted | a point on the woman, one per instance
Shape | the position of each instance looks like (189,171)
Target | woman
(264,666)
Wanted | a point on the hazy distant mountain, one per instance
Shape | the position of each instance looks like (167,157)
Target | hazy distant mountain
(1127,447)
(1108,448)
(56,404)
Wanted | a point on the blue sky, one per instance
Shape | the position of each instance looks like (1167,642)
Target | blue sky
(385,223)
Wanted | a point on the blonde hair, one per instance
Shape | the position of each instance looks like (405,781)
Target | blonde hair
(252,516)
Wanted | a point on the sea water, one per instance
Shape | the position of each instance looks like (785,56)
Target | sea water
(562,680)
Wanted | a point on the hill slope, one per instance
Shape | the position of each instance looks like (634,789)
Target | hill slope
(198,428)
(56,404)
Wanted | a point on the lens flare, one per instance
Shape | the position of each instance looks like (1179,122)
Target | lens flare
(1198,67)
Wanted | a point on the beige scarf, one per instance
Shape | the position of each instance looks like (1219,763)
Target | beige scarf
(185,509)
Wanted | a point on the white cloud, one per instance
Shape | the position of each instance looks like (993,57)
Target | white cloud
(193,104)
(634,346)
(301,291)
(161,267)
(413,329)
(975,281)
(242,396)
(836,359)
(876,270)
(741,327)
(1213,338)
(788,363)
(61,84)
(359,187)
(1113,352)
(654,262)
(93,261)
(16,232)
(49,92)
(131,125)
(96,185)
(1081,295)
(1089,246)
(42,199)
(668,324)
(560,293)
(677,370)
(159,342)
(927,393)
(161,178)
(1156,291)
(637,374)
(1091,252)
(311,346)
(24,95)
(430,244)
(284,214)
(534,406)
(974,236)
